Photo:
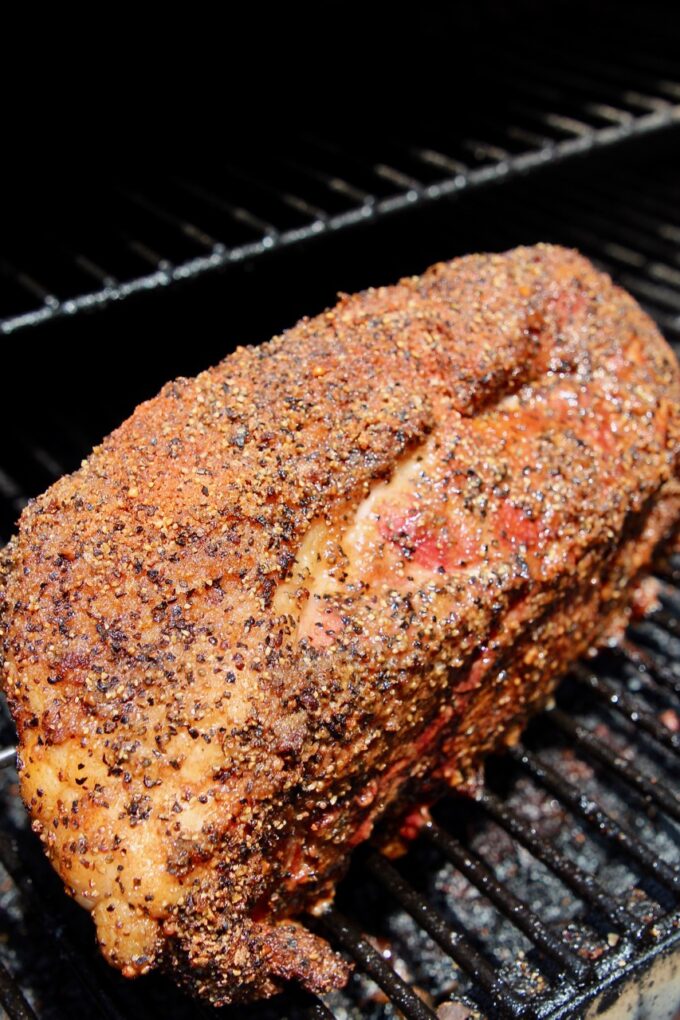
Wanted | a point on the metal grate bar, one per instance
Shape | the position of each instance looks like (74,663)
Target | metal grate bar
(11,491)
(13,1000)
(652,227)
(639,69)
(509,905)
(574,136)
(36,903)
(670,572)
(669,622)
(627,706)
(650,206)
(594,86)
(622,769)
(627,247)
(639,659)
(256,223)
(586,808)
(280,196)
(182,226)
(584,91)
(656,637)
(331,182)
(644,283)
(647,205)
(320,1011)
(639,232)
(451,941)
(583,884)
(400,993)
(8,757)
(602,214)
(655,298)
(432,157)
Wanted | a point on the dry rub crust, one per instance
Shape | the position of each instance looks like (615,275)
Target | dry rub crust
(317,583)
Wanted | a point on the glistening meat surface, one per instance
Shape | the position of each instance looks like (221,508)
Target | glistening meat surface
(317,584)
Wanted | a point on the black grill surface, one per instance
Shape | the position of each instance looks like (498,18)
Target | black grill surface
(77,238)
(560,879)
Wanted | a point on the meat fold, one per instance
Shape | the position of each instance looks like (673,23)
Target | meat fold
(314,587)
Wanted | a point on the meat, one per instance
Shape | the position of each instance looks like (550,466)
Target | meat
(311,588)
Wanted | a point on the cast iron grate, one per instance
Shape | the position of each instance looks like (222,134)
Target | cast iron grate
(81,244)
(562,877)
(625,216)
(619,715)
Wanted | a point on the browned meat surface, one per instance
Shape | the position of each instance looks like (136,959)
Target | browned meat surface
(318,583)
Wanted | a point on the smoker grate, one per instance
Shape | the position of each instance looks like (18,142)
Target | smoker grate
(572,975)
(561,879)
(75,244)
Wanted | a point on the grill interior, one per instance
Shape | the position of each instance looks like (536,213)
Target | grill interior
(85,240)
(561,878)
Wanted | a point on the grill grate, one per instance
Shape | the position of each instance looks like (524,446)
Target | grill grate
(562,878)
(567,970)
(81,246)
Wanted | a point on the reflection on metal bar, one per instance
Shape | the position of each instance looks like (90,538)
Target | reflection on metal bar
(13,1000)
(511,907)
(650,788)
(629,707)
(8,757)
(602,822)
(584,885)
(370,960)
(453,942)
(580,137)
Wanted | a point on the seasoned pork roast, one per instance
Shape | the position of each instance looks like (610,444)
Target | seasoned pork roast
(311,588)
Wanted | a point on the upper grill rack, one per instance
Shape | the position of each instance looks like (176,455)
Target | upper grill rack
(628,222)
(92,244)
(619,687)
